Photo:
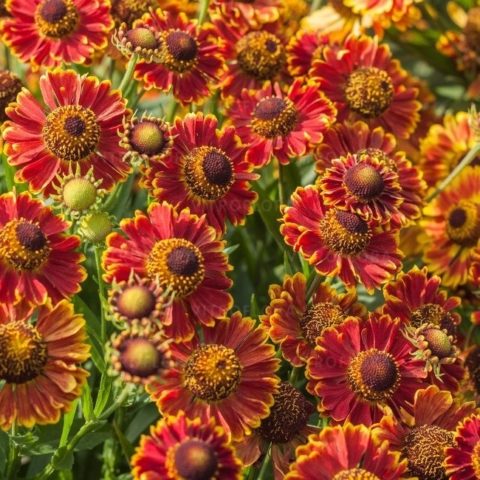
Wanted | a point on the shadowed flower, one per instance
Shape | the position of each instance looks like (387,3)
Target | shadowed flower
(230,374)
(48,33)
(181,252)
(37,258)
(206,171)
(10,87)
(40,373)
(339,243)
(77,121)
(359,368)
(296,324)
(421,437)
(346,452)
(364,82)
(189,448)
(282,125)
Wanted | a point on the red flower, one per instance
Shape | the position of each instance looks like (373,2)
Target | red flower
(78,123)
(37,259)
(205,171)
(230,374)
(359,368)
(51,32)
(182,253)
(364,82)
(338,242)
(284,125)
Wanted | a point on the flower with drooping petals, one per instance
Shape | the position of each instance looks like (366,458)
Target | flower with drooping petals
(282,125)
(77,121)
(205,171)
(422,436)
(190,58)
(296,324)
(181,251)
(47,33)
(37,258)
(346,452)
(359,368)
(183,447)
(365,83)
(230,373)
(40,372)
(338,242)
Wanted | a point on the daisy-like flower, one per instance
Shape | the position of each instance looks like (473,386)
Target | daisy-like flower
(366,83)
(10,87)
(462,461)
(359,139)
(445,145)
(206,171)
(295,324)
(48,33)
(452,228)
(255,12)
(286,126)
(284,429)
(423,436)
(359,368)
(127,11)
(181,251)
(230,373)
(339,243)
(77,122)
(40,373)
(183,447)
(37,258)
(190,59)
(346,452)
(140,355)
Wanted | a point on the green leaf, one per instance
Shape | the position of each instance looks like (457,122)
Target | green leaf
(62,460)
(103,394)
(87,404)
(67,423)
(141,421)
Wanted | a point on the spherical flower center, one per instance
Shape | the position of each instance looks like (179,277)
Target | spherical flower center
(373,375)
(476,460)
(438,342)
(180,52)
(345,233)
(79,194)
(10,86)
(140,357)
(288,416)
(56,18)
(432,313)
(472,29)
(369,91)
(463,223)
(71,132)
(136,301)
(355,474)
(178,264)
(195,460)
(208,172)
(261,55)
(23,353)
(147,138)
(23,245)
(364,181)
(96,226)
(212,372)
(274,117)
(424,449)
(317,318)
(142,37)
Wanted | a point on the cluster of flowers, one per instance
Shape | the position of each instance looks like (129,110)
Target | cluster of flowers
(318,386)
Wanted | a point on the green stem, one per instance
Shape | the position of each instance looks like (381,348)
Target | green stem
(12,455)
(101,292)
(467,159)
(265,465)
(281,184)
(171,111)
(127,77)
(8,172)
(202,14)
(317,280)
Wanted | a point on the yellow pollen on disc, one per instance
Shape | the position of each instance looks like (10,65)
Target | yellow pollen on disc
(317,318)
(355,474)
(23,246)
(463,223)
(274,117)
(178,264)
(56,18)
(179,52)
(71,132)
(23,354)
(212,372)
(369,91)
